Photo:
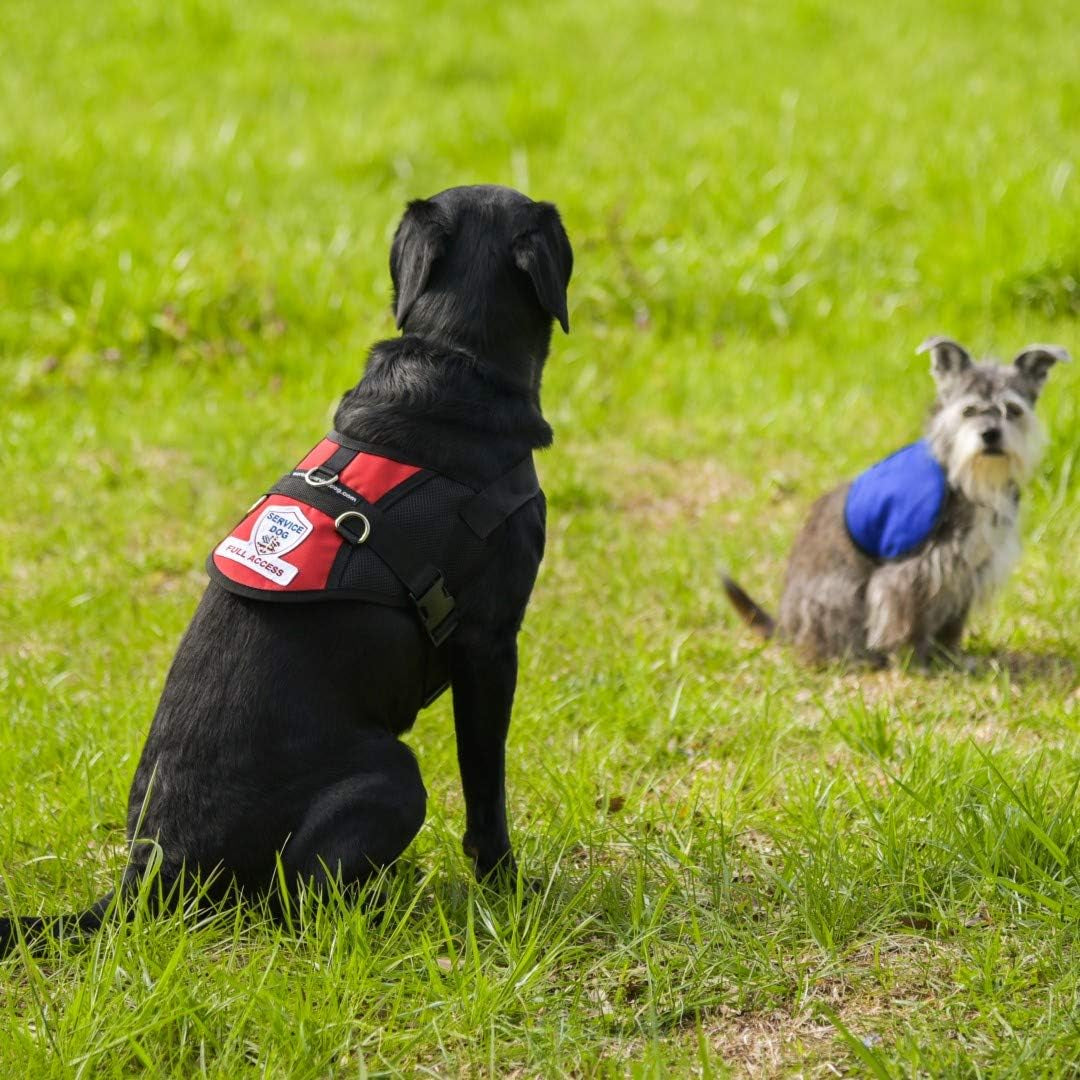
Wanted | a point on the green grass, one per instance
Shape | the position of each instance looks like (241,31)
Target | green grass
(747,867)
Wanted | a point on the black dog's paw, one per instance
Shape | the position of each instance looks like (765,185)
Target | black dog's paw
(491,868)
(496,867)
(503,877)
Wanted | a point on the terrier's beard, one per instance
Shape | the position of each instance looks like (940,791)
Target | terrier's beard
(984,478)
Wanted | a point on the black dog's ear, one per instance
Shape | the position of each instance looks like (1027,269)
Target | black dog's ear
(1035,362)
(947,357)
(420,239)
(542,249)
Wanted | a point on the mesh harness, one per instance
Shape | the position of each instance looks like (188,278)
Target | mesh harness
(350,523)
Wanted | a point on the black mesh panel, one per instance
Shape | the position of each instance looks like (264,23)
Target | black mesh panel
(428,516)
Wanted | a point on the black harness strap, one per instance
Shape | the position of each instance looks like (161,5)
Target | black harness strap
(332,499)
(491,507)
(360,522)
(328,471)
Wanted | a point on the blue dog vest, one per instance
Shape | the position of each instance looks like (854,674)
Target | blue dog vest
(892,508)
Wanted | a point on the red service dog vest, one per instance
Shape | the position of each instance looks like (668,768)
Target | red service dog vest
(351,523)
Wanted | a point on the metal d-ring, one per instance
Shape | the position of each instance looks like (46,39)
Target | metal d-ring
(354,514)
(318,483)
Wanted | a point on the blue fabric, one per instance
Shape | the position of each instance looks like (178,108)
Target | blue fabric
(893,507)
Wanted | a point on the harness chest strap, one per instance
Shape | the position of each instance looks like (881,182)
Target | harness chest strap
(489,508)
(357,520)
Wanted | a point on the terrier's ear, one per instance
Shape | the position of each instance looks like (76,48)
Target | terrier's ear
(420,240)
(542,249)
(948,358)
(1035,362)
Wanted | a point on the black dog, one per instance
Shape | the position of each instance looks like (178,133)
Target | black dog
(277,730)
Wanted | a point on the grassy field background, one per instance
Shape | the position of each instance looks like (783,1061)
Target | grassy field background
(748,867)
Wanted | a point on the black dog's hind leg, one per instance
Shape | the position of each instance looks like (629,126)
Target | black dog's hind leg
(484,678)
(360,822)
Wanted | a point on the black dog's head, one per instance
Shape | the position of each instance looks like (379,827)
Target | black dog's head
(484,269)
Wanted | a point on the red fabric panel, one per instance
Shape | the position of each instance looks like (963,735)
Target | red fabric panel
(313,557)
(374,476)
(318,455)
(295,550)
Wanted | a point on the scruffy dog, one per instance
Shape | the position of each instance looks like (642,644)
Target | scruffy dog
(896,559)
(407,543)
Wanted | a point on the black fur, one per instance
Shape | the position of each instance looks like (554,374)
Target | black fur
(277,729)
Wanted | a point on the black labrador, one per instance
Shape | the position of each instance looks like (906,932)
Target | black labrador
(277,732)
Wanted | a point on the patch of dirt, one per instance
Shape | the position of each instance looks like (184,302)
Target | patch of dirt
(881,981)
(658,493)
(663,494)
(762,1044)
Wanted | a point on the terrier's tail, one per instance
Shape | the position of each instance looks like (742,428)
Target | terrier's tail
(757,618)
(37,930)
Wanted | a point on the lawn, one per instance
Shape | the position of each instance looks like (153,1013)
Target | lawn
(747,867)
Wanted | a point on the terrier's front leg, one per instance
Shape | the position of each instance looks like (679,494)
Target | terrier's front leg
(892,621)
(947,642)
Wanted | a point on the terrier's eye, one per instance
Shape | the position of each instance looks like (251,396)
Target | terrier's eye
(969,411)
(1012,410)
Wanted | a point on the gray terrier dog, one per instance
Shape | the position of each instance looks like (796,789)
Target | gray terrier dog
(896,559)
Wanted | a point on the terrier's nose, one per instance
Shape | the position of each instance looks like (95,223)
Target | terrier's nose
(992,437)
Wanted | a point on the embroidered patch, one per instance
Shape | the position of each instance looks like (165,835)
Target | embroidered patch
(280,529)
(277,531)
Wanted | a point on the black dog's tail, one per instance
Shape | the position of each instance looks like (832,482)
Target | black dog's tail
(37,930)
(757,618)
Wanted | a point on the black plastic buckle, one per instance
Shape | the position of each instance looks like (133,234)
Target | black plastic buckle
(436,609)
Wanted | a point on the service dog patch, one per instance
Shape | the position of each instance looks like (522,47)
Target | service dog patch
(279,529)
(276,531)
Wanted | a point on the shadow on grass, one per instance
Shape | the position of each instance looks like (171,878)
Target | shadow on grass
(1027,666)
